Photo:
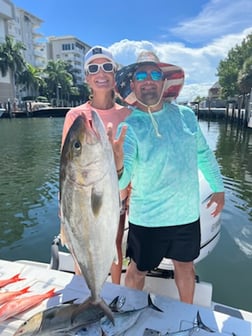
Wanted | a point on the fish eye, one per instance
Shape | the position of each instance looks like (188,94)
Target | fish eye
(77,145)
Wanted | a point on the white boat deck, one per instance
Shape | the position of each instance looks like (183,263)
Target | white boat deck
(70,286)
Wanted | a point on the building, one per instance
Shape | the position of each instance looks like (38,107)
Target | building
(6,13)
(23,27)
(69,49)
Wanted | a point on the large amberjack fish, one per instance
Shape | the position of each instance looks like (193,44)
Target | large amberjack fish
(90,202)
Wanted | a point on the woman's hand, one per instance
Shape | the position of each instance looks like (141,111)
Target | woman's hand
(117,145)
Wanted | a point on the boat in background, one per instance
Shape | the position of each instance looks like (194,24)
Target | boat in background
(2,110)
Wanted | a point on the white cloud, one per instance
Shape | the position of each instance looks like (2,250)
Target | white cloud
(218,18)
(200,64)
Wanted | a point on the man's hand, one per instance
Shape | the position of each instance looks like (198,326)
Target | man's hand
(219,199)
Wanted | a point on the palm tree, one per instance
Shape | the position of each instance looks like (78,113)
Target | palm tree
(12,60)
(59,80)
(32,79)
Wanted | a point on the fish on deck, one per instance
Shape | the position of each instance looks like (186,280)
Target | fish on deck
(60,320)
(90,203)
(63,320)
(125,319)
(14,278)
(19,305)
(198,324)
(9,295)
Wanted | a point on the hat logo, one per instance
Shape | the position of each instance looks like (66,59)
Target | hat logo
(96,51)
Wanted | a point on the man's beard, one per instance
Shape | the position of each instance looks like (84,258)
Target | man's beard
(149,97)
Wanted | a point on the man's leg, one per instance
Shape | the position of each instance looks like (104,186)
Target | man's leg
(134,278)
(184,276)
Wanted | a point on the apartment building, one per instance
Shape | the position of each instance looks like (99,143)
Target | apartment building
(24,27)
(69,49)
(6,13)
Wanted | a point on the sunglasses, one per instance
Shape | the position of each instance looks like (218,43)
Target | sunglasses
(143,75)
(95,68)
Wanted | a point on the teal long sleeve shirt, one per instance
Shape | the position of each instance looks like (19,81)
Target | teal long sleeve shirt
(163,171)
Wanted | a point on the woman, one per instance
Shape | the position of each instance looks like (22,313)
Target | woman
(100,70)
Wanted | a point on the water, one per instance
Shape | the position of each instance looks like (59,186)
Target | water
(229,266)
(29,161)
(29,164)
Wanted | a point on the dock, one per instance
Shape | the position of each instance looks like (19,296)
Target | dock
(51,112)
(232,114)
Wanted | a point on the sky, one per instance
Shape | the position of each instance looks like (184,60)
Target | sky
(196,34)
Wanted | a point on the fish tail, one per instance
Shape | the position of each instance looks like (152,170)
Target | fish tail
(51,293)
(25,290)
(200,324)
(152,305)
(107,311)
(16,278)
(101,306)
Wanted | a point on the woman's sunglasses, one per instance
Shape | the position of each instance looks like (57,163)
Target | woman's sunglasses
(155,75)
(95,68)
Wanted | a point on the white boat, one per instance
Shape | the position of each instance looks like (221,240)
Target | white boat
(176,316)
(223,320)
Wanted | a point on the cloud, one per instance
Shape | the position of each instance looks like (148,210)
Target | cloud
(200,64)
(218,18)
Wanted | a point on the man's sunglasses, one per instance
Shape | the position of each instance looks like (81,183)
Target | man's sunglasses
(155,75)
(95,68)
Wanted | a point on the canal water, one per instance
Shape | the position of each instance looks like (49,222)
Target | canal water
(29,161)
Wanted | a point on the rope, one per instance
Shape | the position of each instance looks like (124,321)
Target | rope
(154,122)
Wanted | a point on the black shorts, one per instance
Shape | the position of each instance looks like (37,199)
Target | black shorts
(148,246)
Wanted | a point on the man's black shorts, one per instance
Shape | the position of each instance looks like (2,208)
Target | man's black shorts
(148,246)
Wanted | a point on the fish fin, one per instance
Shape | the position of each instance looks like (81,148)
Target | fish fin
(117,303)
(16,278)
(107,311)
(101,306)
(25,290)
(99,126)
(81,307)
(152,305)
(96,201)
(51,293)
(69,301)
(201,325)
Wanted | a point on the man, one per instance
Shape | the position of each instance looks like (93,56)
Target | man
(160,150)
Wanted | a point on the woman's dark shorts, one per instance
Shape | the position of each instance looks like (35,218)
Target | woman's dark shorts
(148,246)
